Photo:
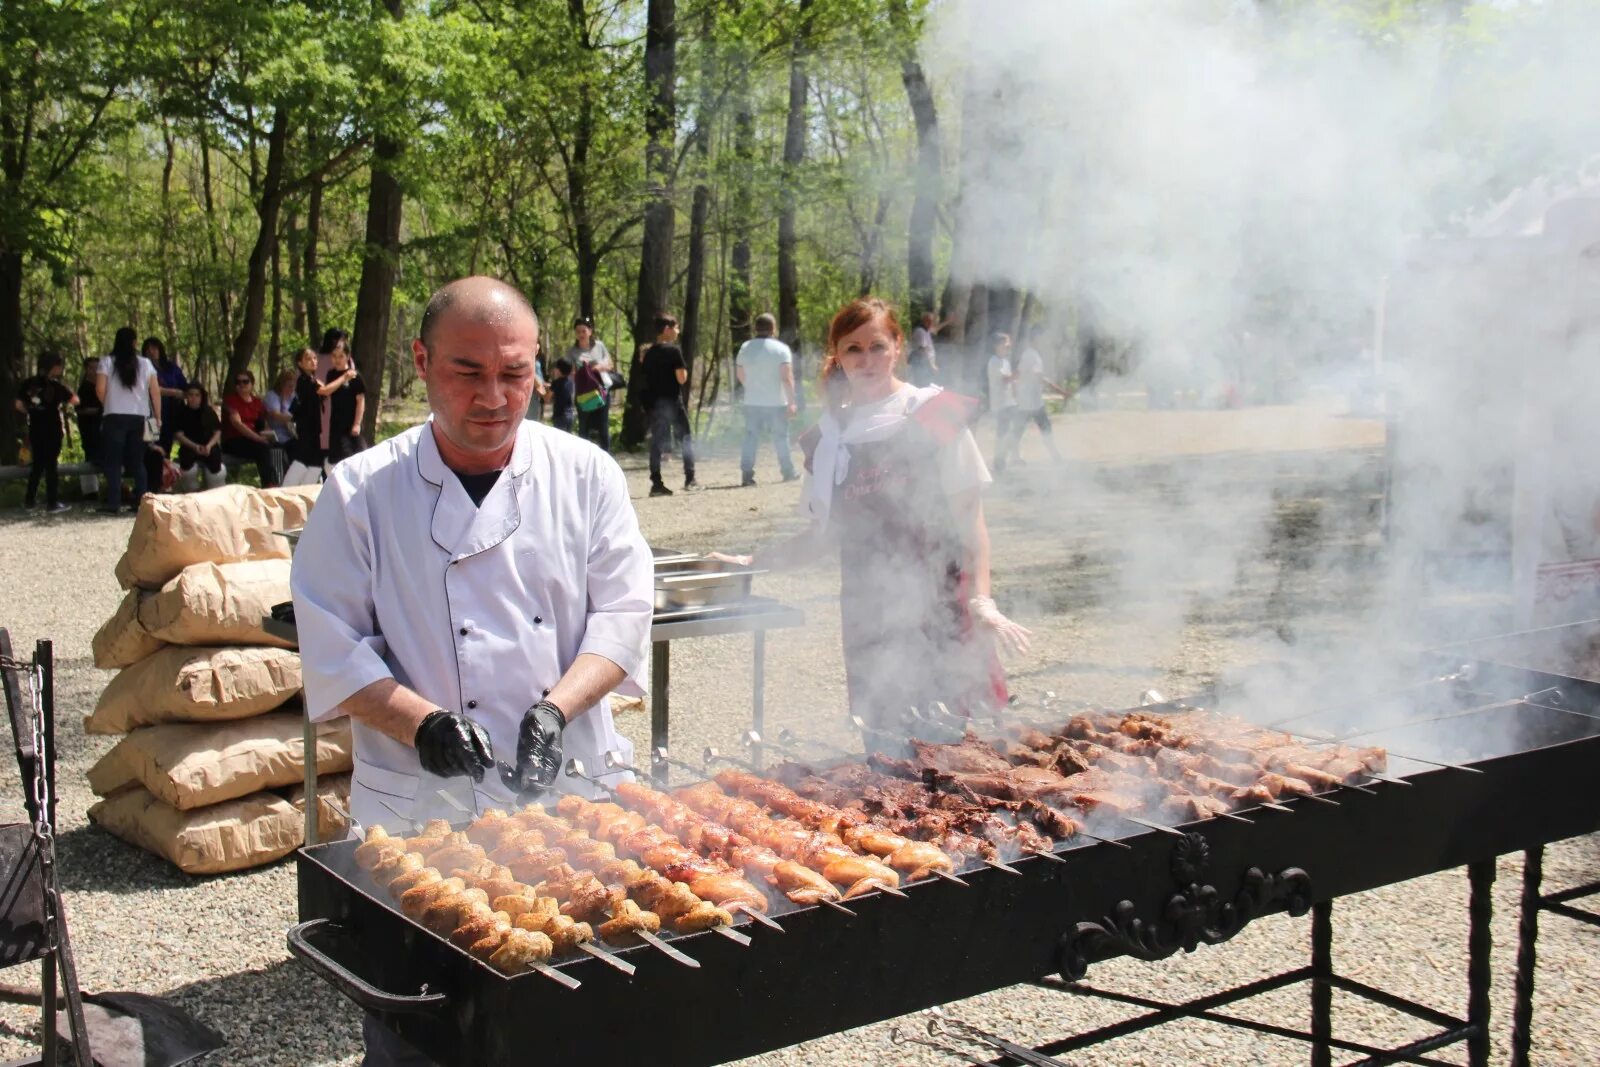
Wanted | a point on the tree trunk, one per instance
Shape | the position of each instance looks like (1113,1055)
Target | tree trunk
(655,257)
(794,154)
(705,114)
(255,290)
(378,266)
(169,313)
(308,272)
(925,200)
(740,311)
(297,303)
(275,341)
(224,298)
(12,371)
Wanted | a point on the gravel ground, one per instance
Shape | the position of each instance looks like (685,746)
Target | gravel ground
(1179,548)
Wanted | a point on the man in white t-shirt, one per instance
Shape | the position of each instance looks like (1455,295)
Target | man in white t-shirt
(765,368)
(1002,397)
(1030,383)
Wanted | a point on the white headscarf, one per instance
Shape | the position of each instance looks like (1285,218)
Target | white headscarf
(861,423)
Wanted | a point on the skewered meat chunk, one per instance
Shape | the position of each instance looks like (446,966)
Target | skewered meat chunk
(443,913)
(456,850)
(410,879)
(565,933)
(478,921)
(394,863)
(416,900)
(519,949)
(626,921)
(377,844)
(540,908)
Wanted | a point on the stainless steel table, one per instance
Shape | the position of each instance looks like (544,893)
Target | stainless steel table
(754,616)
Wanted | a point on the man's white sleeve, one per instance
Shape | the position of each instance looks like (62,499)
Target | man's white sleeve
(341,650)
(621,580)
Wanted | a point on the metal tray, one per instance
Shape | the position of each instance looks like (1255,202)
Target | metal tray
(696,582)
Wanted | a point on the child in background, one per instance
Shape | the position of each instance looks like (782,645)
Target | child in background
(42,398)
(563,402)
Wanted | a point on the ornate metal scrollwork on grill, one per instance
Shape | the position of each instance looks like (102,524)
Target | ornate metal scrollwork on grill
(1197,913)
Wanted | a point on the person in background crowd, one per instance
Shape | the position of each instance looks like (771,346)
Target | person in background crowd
(306,451)
(664,376)
(346,406)
(765,367)
(1030,383)
(541,384)
(244,427)
(42,398)
(90,411)
(171,378)
(1002,397)
(591,384)
(333,340)
(279,404)
(563,410)
(129,393)
(198,431)
(921,367)
(896,488)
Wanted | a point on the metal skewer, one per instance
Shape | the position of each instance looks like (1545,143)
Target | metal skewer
(711,755)
(1465,673)
(651,939)
(661,757)
(540,967)
(836,906)
(1002,865)
(416,827)
(732,935)
(1044,855)
(1147,824)
(757,916)
(789,737)
(599,953)
(968,1032)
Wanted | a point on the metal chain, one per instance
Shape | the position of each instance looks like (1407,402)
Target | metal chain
(39,787)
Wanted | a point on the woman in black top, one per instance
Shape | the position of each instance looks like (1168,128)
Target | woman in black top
(306,449)
(345,408)
(41,398)
(198,430)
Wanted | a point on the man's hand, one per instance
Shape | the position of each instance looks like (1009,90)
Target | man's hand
(451,745)
(539,747)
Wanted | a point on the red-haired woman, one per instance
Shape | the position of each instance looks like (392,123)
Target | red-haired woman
(895,481)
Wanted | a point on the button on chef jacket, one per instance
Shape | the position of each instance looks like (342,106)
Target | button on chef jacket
(480,610)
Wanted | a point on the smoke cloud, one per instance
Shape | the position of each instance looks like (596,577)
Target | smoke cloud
(1260,201)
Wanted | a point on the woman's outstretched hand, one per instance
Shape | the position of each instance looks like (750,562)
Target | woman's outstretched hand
(1010,635)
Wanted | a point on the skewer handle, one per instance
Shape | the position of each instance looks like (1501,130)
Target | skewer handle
(651,939)
(757,916)
(555,975)
(732,935)
(601,954)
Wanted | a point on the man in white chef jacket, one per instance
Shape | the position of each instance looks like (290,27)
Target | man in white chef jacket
(469,591)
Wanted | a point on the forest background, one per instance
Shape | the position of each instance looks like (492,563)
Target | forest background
(236,176)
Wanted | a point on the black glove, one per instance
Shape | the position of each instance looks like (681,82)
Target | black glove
(450,745)
(539,747)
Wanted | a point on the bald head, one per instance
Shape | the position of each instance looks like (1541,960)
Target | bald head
(479,299)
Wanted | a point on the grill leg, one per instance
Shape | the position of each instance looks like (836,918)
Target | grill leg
(1321,984)
(1480,876)
(1527,956)
(660,661)
(49,1041)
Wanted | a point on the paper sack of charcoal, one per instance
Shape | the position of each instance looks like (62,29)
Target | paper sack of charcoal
(206,699)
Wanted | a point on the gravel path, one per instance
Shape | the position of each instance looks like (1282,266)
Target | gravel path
(1164,565)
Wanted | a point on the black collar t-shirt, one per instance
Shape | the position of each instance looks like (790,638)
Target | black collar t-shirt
(478,485)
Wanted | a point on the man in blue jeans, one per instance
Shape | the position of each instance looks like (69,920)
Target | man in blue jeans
(765,368)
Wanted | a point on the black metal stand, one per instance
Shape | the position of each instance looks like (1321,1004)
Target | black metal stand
(1474,1029)
(1535,900)
(31,875)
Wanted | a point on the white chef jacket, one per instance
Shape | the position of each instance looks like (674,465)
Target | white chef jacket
(478,609)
